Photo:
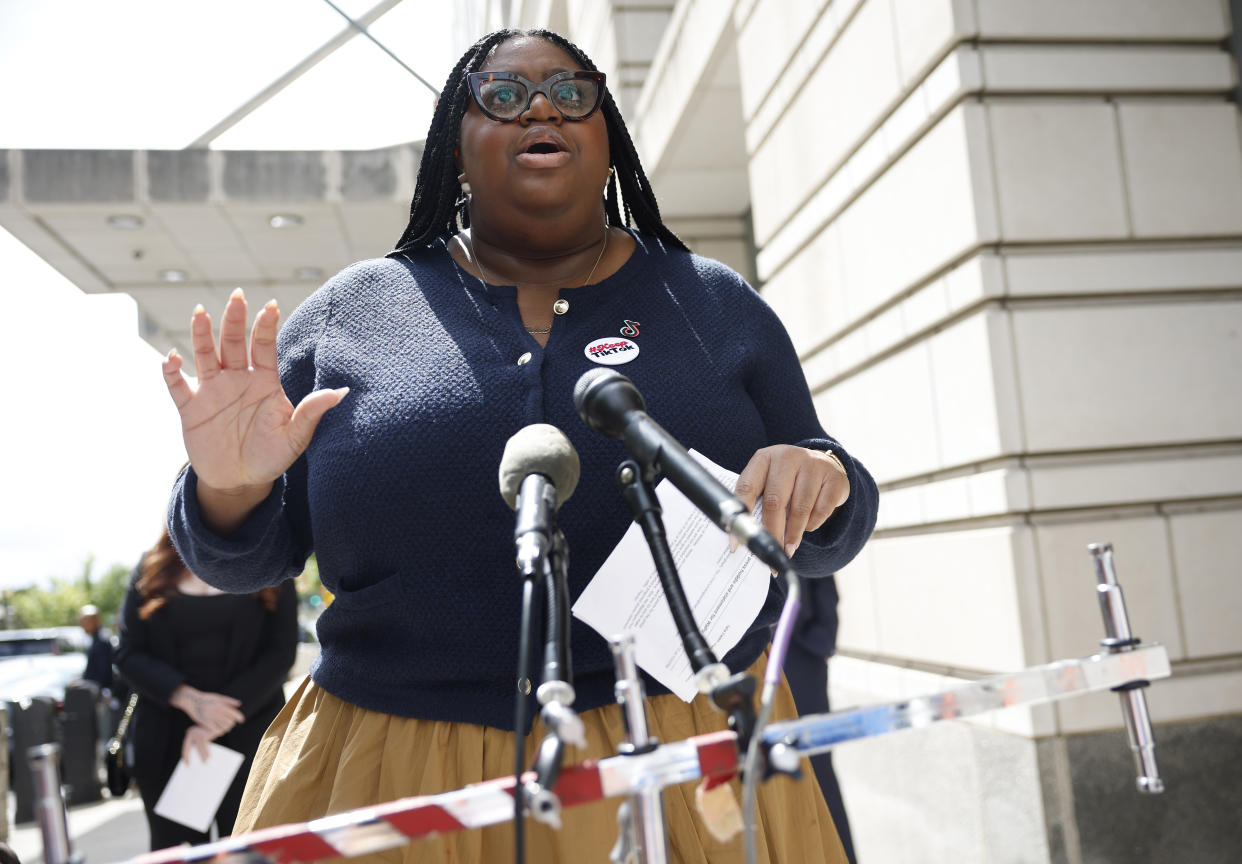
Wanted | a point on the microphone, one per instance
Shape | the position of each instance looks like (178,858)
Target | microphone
(610,403)
(539,470)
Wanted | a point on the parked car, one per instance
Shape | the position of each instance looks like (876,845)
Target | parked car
(41,662)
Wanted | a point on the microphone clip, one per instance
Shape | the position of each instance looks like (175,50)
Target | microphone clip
(735,696)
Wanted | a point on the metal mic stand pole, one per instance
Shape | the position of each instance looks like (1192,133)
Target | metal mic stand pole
(643,835)
(732,694)
(530,603)
(555,693)
(637,487)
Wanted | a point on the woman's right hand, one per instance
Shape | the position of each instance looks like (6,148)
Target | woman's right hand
(241,432)
(215,712)
(196,738)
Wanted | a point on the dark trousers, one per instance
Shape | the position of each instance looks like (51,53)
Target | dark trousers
(807,674)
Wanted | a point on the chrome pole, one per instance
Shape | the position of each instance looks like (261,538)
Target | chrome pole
(648,843)
(1119,640)
(49,806)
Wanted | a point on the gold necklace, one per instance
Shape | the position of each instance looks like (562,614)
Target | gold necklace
(484,277)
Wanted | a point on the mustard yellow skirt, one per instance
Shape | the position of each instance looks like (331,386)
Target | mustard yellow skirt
(323,756)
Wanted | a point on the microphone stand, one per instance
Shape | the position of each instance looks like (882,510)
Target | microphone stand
(638,489)
(732,694)
(530,590)
(555,693)
(642,836)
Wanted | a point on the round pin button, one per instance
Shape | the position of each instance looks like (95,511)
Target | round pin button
(524,686)
(524,359)
(560,307)
(611,351)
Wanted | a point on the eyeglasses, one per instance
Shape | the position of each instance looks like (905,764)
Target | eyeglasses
(505,96)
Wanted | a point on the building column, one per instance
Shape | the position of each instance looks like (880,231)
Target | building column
(1006,238)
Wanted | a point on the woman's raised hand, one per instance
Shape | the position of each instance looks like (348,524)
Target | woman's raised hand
(241,432)
(800,489)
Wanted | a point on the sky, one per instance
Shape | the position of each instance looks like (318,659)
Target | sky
(89,439)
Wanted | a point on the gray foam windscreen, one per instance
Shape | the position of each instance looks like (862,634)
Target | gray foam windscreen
(539,449)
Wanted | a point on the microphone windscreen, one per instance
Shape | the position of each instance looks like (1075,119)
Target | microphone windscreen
(539,449)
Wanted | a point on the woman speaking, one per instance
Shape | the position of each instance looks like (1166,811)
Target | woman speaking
(370,432)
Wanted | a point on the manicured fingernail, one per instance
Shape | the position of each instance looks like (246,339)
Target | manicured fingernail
(270,304)
(172,352)
(237,292)
(790,549)
(732,544)
(199,310)
(342,391)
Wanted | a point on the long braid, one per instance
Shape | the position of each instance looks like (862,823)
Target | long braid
(434,209)
(437,206)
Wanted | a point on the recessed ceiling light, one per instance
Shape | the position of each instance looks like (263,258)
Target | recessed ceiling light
(285,220)
(125,221)
(174,275)
(308,273)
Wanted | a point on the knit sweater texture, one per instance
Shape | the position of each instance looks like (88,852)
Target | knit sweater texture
(398,497)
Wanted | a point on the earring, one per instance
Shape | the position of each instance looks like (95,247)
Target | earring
(465,184)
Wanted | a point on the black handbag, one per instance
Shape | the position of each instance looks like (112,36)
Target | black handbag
(114,763)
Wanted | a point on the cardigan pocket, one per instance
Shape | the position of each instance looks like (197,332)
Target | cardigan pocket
(378,593)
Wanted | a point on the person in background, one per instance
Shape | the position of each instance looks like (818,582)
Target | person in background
(99,655)
(371,430)
(207,666)
(806,668)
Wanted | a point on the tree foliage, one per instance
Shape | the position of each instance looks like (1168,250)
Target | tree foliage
(58,605)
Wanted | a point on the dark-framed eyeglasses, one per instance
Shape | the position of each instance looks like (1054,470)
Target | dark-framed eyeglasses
(505,96)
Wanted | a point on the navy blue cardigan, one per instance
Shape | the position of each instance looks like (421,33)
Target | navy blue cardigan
(397,493)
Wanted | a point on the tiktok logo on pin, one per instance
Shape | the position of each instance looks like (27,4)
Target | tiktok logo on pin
(630,329)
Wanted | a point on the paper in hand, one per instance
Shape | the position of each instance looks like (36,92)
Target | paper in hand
(195,790)
(725,590)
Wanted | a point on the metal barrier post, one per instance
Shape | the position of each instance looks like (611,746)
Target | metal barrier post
(49,805)
(1119,640)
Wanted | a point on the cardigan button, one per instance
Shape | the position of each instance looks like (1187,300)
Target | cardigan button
(560,307)
(524,359)
(524,686)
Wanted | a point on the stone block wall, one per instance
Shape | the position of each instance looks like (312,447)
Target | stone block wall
(1006,239)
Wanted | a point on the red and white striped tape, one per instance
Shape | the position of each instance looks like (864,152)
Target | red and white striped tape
(714,756)
(385,826)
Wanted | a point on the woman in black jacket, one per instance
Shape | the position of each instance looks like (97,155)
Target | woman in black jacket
(207,666)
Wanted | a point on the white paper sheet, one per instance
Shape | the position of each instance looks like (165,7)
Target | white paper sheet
(725,590)
(195,790)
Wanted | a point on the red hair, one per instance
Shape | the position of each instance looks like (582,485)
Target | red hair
(160,572)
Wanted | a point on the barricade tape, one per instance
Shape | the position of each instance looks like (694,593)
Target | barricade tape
(714,756)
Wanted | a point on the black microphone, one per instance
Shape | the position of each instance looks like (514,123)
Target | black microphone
(538,472)
(610,403)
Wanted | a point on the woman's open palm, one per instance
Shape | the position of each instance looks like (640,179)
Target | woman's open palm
(240,428)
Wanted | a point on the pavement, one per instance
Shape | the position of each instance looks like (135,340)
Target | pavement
(104,832)
(115,829)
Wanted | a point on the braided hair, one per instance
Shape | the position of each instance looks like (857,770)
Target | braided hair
(439,205)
